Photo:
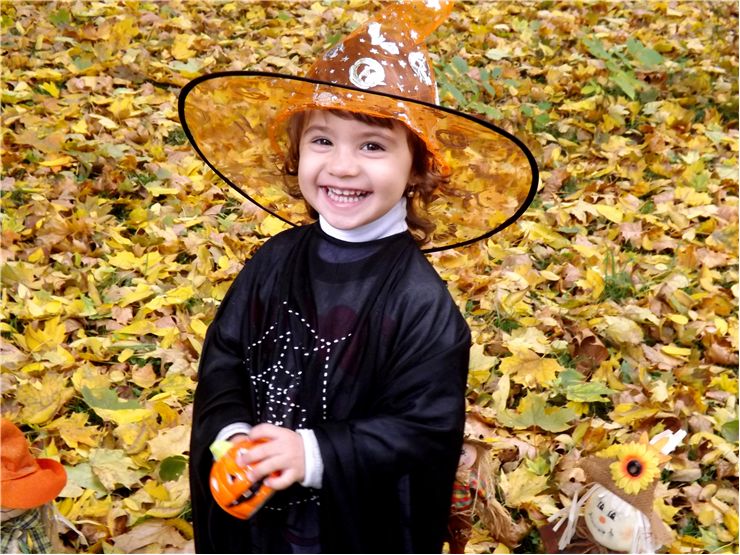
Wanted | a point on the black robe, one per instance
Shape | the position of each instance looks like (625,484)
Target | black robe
(362,343)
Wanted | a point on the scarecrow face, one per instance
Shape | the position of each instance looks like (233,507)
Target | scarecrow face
(352,172)
(611,521)
(468,456)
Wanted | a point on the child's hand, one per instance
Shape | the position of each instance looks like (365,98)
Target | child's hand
(282,452)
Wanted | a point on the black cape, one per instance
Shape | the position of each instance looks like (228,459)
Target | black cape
(362,343)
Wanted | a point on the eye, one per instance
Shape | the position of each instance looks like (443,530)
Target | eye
(323,141)
(373,147)
(600,505)
(612,514)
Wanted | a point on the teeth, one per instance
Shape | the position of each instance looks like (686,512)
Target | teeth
(344,195)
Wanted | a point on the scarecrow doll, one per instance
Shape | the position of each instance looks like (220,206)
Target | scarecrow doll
(474,497)
(29,485)
(617,506)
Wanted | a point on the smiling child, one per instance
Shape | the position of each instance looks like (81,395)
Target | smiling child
(338,348)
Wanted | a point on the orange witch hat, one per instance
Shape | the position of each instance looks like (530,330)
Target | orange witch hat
(236,122)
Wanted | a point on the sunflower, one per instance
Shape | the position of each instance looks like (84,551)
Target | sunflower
(637,465)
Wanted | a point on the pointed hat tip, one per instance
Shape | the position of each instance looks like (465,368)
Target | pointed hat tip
(423,16)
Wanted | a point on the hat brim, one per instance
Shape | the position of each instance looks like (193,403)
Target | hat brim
(235,122)
(35,489)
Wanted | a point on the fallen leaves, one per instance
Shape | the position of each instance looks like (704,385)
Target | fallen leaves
(609,309)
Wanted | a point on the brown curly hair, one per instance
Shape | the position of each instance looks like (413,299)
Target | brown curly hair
(426,176)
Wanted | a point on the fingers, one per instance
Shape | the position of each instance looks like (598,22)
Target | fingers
(279,459)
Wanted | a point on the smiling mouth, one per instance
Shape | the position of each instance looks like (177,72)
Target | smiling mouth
(345,196)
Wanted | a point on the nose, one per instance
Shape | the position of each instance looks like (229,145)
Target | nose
(342,163)
(602,519)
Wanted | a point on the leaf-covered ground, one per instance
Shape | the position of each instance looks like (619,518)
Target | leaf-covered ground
(610,309)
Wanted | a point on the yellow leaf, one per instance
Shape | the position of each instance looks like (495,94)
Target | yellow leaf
(127,260)
(157,491)
(134,436)
(90,377)
(730,520)
(121,107)
(142,291)
(113,468)
(627,413)
(479,360)
(157,190)
(678,319)
(141,327)
(611,213)
(39,308)
(51,88)
(623,330)
(181,47)
(667,512)
(80,127)
(41,399)
(52,334)
(177,384)
(183,526)
(528,338)
(144,376)
(528,368)
(107,123)
(672,350)
(170,442)
(725,383)
(125,355)
(579,106)
(36,256)
(198,327)
(522,487)
(539,232)
(174,296)
(707,514)
(594,282)
(74,431)
(271,226)
(721,326)
(58,161)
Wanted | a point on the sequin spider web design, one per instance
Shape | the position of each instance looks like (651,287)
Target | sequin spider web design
(280,401)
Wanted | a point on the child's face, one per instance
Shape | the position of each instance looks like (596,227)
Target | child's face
(352,172)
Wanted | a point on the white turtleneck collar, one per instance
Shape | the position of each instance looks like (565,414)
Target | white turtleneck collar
(390,223)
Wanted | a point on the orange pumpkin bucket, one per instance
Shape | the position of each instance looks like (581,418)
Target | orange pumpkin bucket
(231,488)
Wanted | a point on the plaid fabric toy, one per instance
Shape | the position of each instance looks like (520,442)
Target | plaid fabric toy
(26,533)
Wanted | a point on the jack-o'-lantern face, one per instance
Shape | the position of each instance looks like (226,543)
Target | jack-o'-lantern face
(231,488)
(611,521)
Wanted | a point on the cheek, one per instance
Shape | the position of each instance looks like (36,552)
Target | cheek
(625,532)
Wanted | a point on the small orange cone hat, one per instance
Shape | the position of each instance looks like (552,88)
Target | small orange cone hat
(236,121)
(26,482)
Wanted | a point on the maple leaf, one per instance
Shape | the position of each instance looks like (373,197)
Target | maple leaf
(42,399)
(109,406)
(170,442)
(530,369)
(113,468)
(73,429)
(522,488)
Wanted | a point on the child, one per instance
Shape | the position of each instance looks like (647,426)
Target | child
(28,486)
(338,343)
